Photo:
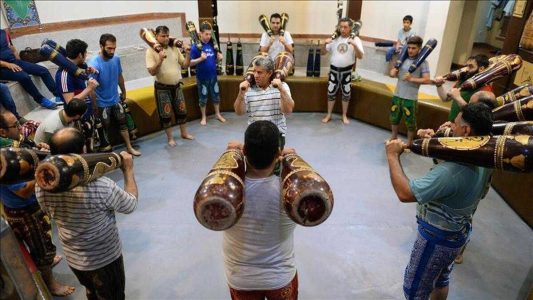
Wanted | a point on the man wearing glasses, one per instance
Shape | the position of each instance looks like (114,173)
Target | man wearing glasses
(23,213)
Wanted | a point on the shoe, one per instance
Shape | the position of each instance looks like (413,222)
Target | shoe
(48,104)
(57,100)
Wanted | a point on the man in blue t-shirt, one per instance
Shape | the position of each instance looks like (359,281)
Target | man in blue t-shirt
(205,60)
(12,68)
(109,74)
(447,197)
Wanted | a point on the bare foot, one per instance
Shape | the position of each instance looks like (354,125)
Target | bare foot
(326,119)
(187,136)
(221,118)
(345,120)
(57,259)
(58,289)
(203,122)
(459,259)
(134,152)
(172,143)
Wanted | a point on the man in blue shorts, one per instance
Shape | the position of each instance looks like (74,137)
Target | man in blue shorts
(205,60)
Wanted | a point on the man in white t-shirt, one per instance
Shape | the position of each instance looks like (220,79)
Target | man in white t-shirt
(277,42)
(259,248)
(72,111)
(343,51)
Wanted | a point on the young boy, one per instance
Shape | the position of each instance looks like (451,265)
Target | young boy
(406,93)
(403,35)
(206,72)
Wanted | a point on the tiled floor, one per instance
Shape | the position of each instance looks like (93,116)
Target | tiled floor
(360,252)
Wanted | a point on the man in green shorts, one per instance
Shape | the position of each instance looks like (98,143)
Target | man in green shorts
(405,97)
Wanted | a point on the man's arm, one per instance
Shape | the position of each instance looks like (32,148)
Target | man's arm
(442,93)
(287,42)
(122,86)
(240,104)
(399,180)
(422,80)
(13,67)
(287,104)
(130,185)
(91,86)
(455,94)
(26,191)
(153,65)
(266,42)
(14,50)
(198,60)
(358,46)
(187,62)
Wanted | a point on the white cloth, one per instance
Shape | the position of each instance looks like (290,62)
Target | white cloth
(277,46)
(49,126)
(259,249)
(342,53)
(403,35)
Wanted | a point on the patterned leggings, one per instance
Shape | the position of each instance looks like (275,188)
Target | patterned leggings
(32,226)
(340,78)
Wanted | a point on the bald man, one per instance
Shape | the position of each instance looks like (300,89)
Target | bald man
(486,97)
(92,247)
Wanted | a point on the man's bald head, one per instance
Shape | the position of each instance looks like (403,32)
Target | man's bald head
(67,140)
(488,98)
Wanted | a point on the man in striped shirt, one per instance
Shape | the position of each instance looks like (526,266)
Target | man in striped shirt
(85,217)
(264,102)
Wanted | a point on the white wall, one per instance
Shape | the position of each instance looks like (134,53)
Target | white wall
(432,19)
(383,19)
(305,17)
(60,11)
(467,32)
(481,20)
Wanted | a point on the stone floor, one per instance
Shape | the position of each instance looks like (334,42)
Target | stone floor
(360,252)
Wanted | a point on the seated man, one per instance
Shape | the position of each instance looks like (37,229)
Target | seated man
(276,43)
(66,117)
(12,68)
(23,214)
(259,248)
(72,86)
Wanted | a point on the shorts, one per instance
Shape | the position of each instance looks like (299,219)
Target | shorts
(402,107)
(208,87)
